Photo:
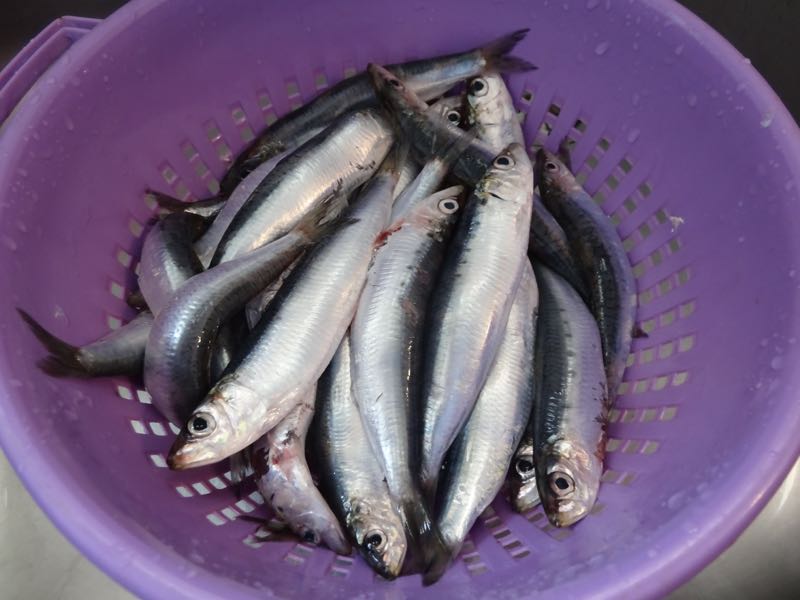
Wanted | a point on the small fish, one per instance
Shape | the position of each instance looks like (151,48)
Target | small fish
(471,302)
(168,258)
(350,477)
(385,337)
(429,78)
(601,259)
(294,340)
(283,478)
(428,133)
(478,460)
(332,164)
(178,358)
(491,112)
(550,246)
(571,409)
(523,491)
(120,352)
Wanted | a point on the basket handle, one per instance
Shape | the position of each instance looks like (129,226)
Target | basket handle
(33,60)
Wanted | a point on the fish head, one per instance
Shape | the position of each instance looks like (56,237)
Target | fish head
(509,176)
(438,212)
(451,108)
(568,480)
(211,432)
(392,91)
(485,95)
(552,174)
(314,523)
(522,480)
(379,535)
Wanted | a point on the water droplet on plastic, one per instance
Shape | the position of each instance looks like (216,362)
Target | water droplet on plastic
(691,100)
(776,363)
(679,50)
(602,48)
(636,98)
(675,501)
(69,123)
(766,120)
(792,274)
(741,239)
(592,4)
(789,185)
(22,172)
(747,61)
(633,135)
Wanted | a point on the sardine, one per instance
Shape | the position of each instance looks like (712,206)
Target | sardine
(523,492)
(491,112)
(255,308)
(471,302)
(177,366)
(478,460)
(571,402)
(429,78)
(294,340)
(332,164)
(349,474)
(385,337)
(428,133)
(120,352)
(168,258)
(600,257)
(283,478)
(549,245)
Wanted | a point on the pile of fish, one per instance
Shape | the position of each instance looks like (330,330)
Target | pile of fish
(380,291)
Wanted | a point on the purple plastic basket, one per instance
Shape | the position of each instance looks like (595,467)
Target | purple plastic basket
(677,137)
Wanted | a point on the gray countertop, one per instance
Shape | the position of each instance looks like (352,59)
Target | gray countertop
(36,561)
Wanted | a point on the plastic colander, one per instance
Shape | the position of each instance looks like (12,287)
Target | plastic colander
(678,139)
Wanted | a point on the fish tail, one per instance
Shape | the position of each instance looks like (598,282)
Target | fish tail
(208,207)
(63,360)
(429,550)
(495,53)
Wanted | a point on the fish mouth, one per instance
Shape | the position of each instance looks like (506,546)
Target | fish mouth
(375,560)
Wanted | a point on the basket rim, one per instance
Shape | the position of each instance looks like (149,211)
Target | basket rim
(129,560)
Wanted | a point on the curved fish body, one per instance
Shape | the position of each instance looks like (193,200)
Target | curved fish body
(385,340)
(491,113)
(120,352)
(550,246)
(168,257)
(471,302)
(429,78)
(283,478)
(294,340)
(330,165)
(571,402)
(177,366)
(350,476)
(478,461)
(600,257)
(428,133)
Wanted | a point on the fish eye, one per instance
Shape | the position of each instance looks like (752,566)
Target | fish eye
(524,466)
(201,425)
(551,166)
(396,83)
(561,484)
(310,537)
(448,206)
(454,116)
(375,540)
(503,162)
(478,87)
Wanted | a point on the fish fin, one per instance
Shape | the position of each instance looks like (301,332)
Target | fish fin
(63,360)
(208,207)
(565,152)
(136,300)
(429,550)
(239,464)
(495,53)
(638,332)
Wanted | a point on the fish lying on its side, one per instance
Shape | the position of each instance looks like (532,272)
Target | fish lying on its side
(349,474)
